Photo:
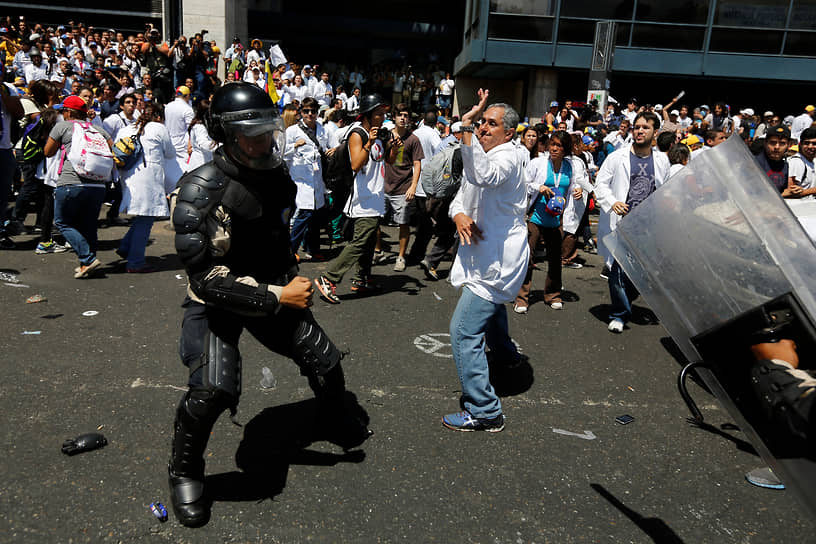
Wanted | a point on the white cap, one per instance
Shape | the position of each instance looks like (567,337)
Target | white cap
(658,107)
(747,111)
(611,100)
(456,127)
(674,112)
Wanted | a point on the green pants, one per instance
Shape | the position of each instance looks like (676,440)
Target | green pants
(359,251)
(335,220)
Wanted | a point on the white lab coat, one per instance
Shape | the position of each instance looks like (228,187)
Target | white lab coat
(202,145)
(494,195)
(574,209)
(429,139)
(612,185)
(143,186)
(178,115)
(320,91)
(305,166)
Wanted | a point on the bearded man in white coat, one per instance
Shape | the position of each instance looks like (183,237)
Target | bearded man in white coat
(625,179)
(491,263)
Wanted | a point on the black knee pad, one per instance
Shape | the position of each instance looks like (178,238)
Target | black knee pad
(220,368)
(313,350)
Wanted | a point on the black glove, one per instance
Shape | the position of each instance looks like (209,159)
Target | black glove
(83,442)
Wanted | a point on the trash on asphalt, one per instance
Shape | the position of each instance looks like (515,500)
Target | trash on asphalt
(624,419)
(23,285)
(159,511)
(11,278)
(268,381)
(31,332)
(83,442)
(179,277)
(437,297)
(33,299)
(90,313)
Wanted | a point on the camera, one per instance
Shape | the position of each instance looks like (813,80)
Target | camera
(384,135)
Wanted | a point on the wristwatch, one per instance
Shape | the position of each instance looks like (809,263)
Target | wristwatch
(468,128)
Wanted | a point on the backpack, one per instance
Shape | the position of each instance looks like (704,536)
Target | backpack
(338,175)
(32,142)
(439,179)
(90,155)
(127,151)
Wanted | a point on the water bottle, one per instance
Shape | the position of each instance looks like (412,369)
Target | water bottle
(268,381)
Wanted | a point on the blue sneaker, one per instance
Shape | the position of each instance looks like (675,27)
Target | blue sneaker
(464,421)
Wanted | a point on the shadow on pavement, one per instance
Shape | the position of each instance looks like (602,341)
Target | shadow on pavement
(513,379)
(655,528)
(279,437)
(742,445)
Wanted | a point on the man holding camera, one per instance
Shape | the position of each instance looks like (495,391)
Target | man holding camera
(369,149)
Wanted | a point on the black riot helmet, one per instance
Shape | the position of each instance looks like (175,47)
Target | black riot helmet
(246,121)
(370,102)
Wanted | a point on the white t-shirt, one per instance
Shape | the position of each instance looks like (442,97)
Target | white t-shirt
(802,171)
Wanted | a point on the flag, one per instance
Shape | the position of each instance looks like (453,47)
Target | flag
(270,84)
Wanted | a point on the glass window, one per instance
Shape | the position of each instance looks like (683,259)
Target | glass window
(609,9)
(746,41)
(523,7)
(576,31)
(622,37)
(759,13)
(669,37)
(801,44)
(803,14)
(689,11)
(520,27)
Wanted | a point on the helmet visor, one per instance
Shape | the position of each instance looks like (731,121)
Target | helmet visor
(254,138)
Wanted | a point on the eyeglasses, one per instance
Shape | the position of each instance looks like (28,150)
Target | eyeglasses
(308,110)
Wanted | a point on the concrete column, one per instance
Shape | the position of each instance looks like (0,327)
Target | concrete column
(222,18)
(501,90)
(542,88)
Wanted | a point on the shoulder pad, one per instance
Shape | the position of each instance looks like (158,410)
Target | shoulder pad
(199,192)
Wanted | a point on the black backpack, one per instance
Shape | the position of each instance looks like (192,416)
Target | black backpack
(33,142)
(338,175)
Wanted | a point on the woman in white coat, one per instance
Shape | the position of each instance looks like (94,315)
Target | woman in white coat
(143,193)
(298,90)
(555,173)
(200,145)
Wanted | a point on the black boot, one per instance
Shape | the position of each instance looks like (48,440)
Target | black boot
(195,418)
(342,424)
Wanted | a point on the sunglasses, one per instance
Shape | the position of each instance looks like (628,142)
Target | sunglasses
(308,110)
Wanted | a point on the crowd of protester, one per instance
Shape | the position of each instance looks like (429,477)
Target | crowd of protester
(158,91)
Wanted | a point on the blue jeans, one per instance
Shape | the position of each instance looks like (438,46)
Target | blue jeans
(134,242)
(307,225)
(76,210)
(622,292)
(475,321)
(8,164)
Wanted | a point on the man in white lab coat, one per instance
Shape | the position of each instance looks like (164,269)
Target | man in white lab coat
(626,178)
(178,115)
(491,263)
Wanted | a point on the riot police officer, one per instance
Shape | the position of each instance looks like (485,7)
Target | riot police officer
(223,211)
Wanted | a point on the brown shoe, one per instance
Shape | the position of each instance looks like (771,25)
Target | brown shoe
(86,270)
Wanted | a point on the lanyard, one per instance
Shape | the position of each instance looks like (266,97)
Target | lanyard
(556,176)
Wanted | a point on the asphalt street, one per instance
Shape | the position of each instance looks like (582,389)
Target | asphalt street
(562,471)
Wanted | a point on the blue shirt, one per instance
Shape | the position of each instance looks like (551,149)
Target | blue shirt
(559,183)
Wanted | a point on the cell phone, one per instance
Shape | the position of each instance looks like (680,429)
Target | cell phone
(624,419)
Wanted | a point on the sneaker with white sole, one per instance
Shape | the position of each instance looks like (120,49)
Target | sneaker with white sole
(557,306)
(616,326)
(44,248)
(464,421)
(520,309)
(327,289)
(399,266)
(430,272)
(379,257)
(574,266)
(86,270)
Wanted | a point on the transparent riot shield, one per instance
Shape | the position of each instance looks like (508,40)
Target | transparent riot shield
(717,254)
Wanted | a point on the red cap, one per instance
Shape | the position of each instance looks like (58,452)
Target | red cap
(75,103)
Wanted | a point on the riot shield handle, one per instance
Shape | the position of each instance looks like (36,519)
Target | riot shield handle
(681,386)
